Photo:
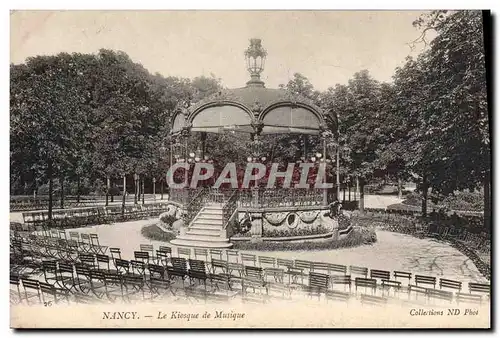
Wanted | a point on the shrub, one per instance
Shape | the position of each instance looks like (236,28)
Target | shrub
(355,238)
(153,232)
(296,232)
(167,220)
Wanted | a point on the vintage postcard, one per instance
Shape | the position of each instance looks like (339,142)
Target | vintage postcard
(250,169)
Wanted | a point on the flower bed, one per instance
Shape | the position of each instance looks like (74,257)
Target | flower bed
(153,232)
(358,236)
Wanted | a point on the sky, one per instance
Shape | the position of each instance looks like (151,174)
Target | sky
(327,47)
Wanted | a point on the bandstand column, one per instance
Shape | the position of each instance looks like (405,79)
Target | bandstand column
(325,191)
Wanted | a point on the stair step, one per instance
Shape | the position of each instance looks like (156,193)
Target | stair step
(208,220)
(191,243)
(203,226)
(202,238)
(210,211)
(203,232)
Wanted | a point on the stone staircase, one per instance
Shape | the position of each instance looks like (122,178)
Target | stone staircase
(206,230)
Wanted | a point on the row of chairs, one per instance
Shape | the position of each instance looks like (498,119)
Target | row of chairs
(73,218)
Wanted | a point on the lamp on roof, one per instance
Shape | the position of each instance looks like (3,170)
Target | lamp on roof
(255,57)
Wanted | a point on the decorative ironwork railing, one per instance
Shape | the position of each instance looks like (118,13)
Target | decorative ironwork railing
(195,205)
(269,198)
(182,196)
(229,208)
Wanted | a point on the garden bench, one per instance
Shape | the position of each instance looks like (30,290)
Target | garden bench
(451,284)
(468,298)
(373,300)
(358,270)
(428,280)
(403,274)
(337,296)
(341,280)
(365,283)
(380,274)
(479,288)
(440,294)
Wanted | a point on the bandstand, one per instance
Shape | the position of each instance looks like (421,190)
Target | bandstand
(254,110)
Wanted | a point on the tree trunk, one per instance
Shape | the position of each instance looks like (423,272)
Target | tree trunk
(162,184)
(136,190)
(107,190)
(62,191)
(424,195)
(343,196)
(349,187)
(487,202)
(142,188)
(361,195)
(111,192)
(356,193)
(51,189)
(78,189)
(124,193)
(154,188)
(400,188)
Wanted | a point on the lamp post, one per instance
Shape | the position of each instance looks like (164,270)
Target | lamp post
(255,57)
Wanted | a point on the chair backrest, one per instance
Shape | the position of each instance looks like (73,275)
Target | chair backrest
(146,247)
(358,270)
(302,264)
(179,263)
(219,263)
(165,249)
(49,266)
(320,266)
(216,253)
(122,264)
(200,252)
(440,294)
(253,272)
(337,268)
(94,239)
(479,288)
(450,283)
(30,283)
(402,274)
(102,258)
(248,258)
(115,253)
(87,258)
(66,268)
(184,252)
(284,262)
(365,282)
(197,265)
(154,268)
(380,274)
(47,288)
(232,255)
(267,260)
(420,279)
(339,279)
(141,255)
(468,298)
(85,238)
(318,280)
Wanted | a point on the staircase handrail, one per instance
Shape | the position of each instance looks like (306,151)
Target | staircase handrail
(229,209)
(194,206)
